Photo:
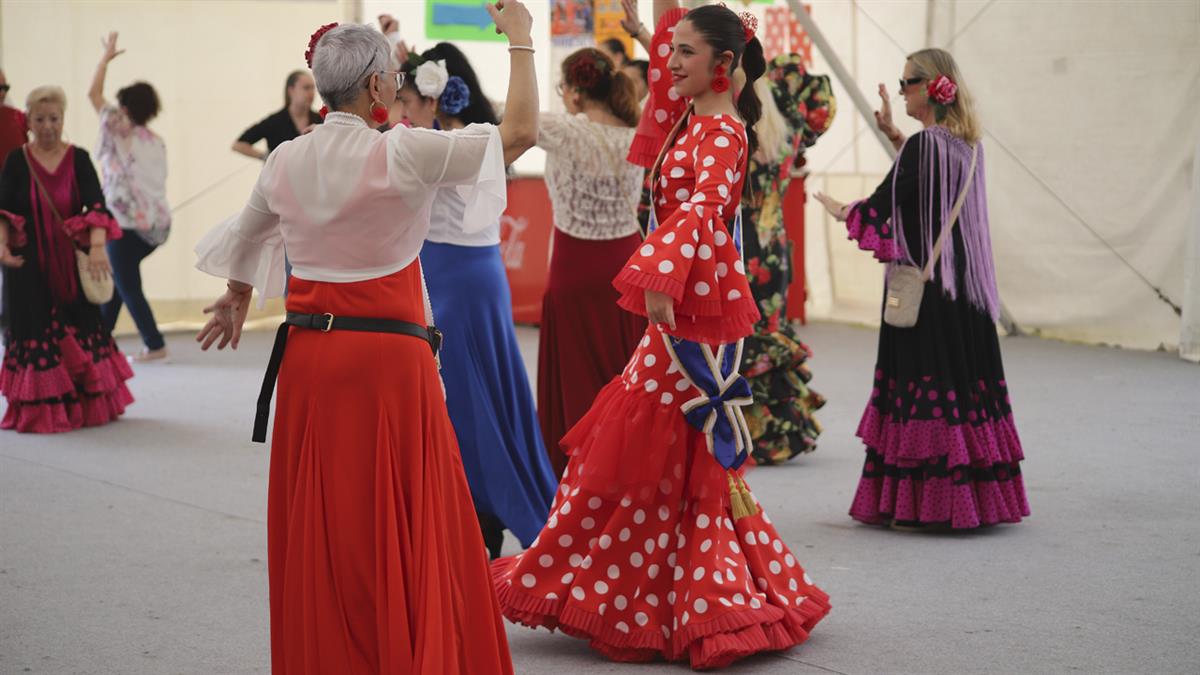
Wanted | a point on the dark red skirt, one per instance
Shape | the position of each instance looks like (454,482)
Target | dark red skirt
(586,338)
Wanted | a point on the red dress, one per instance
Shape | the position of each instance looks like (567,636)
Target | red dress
(376,563)
(646,554)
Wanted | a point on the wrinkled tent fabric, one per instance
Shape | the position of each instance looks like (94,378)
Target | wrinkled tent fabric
(1091,114)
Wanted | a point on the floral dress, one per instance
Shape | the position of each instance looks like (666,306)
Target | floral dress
(782,419)
(655,548)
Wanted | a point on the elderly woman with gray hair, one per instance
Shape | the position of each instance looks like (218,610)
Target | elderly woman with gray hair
(375,557)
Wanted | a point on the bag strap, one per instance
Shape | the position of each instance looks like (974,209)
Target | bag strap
(958,204)
(42,188)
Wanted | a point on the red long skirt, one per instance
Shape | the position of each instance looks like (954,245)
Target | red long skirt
(586,339)
(375,558)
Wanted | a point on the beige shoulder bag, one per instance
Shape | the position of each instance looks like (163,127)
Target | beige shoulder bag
(906,283)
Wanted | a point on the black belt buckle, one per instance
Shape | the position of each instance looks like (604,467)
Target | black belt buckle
(435,339)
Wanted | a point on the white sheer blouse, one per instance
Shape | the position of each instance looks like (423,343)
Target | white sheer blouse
(352,204)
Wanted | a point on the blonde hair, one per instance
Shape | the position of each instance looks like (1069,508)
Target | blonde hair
(46,94)
(960,117)
(772,128)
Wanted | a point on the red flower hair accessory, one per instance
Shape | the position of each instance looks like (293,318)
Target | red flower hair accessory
(943,90)
(586,72)
(749,24)
(316,37)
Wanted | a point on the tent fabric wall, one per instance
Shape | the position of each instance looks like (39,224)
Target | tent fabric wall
(1189,333)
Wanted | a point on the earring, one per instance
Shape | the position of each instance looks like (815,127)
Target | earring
(323,111)
(379,113)
(720,83)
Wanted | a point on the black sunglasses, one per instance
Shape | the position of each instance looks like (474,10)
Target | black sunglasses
(5,87)
(912,80)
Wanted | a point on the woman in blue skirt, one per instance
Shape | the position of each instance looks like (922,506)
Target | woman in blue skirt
(487,388)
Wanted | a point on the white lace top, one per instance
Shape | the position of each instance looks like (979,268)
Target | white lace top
(353,204)
(593,189)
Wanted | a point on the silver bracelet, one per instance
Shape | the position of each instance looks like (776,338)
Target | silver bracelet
(521,48)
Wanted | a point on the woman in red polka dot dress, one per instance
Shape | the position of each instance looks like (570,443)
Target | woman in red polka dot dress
(655,548)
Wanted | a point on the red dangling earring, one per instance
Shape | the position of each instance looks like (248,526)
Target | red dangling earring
(720,83)
(323,111)
(379,113)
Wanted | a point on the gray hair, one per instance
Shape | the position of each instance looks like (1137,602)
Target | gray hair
(343,58)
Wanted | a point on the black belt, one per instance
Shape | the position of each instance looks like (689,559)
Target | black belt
(326,323)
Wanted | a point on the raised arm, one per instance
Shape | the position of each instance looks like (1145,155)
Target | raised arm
(96,91)
(634,26)
(519,129)
(661,7)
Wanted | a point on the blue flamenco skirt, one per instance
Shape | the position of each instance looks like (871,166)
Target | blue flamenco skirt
(487,389)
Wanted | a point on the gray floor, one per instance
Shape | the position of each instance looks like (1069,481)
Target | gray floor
(139,547)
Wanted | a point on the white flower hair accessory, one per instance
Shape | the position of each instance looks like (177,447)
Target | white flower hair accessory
(431,78)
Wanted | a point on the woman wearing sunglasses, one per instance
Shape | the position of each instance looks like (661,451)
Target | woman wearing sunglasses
(375,560)
(942,448)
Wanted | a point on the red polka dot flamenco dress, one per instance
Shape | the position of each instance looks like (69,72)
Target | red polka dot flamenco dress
(654,549)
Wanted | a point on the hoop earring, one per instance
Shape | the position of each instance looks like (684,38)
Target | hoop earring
(379,113)
(720,83)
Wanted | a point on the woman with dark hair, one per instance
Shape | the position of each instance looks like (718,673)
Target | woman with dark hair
(133,166)
(942,450)
(295,118)
(614,49)
(375,560)
(487,388)
(61,369)
(586,338)
(655,547)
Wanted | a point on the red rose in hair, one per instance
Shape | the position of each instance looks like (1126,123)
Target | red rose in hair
(943,90)
(585,73)
(316,37)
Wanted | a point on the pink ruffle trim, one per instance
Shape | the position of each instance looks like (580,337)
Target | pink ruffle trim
(868,236)
(992,445)
(706,645)
(993,441)
(80,226)
(17,231)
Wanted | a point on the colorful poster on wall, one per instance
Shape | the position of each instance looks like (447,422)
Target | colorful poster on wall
(571,23)
(459,20)
(608,15)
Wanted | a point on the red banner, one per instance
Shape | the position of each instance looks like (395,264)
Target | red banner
(526,229)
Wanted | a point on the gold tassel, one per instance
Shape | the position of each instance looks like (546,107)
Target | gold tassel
(748,503)
(740,501)
(736,504)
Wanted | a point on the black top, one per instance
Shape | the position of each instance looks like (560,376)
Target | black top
(276,129)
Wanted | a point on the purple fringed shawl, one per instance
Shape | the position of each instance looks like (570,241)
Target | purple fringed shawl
(944,162)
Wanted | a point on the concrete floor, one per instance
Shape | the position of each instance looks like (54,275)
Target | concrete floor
(140,547)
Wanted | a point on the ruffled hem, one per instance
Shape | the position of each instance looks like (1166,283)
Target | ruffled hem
(643,151)
(49,417)
(17,237)
(706,645)
(992,441)
(963,497)
(871,237)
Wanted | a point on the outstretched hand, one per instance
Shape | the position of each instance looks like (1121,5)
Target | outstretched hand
(228,317)
(630,22)
(883,116)
(513,19)
(110,47)
(833,206)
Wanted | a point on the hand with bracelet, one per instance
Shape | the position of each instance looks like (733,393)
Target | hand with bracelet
(883,120)
(98,266)
(633,25)
(228,317)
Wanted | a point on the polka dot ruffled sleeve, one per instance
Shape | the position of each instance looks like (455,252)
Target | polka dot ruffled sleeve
(691,256)
(663,106)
